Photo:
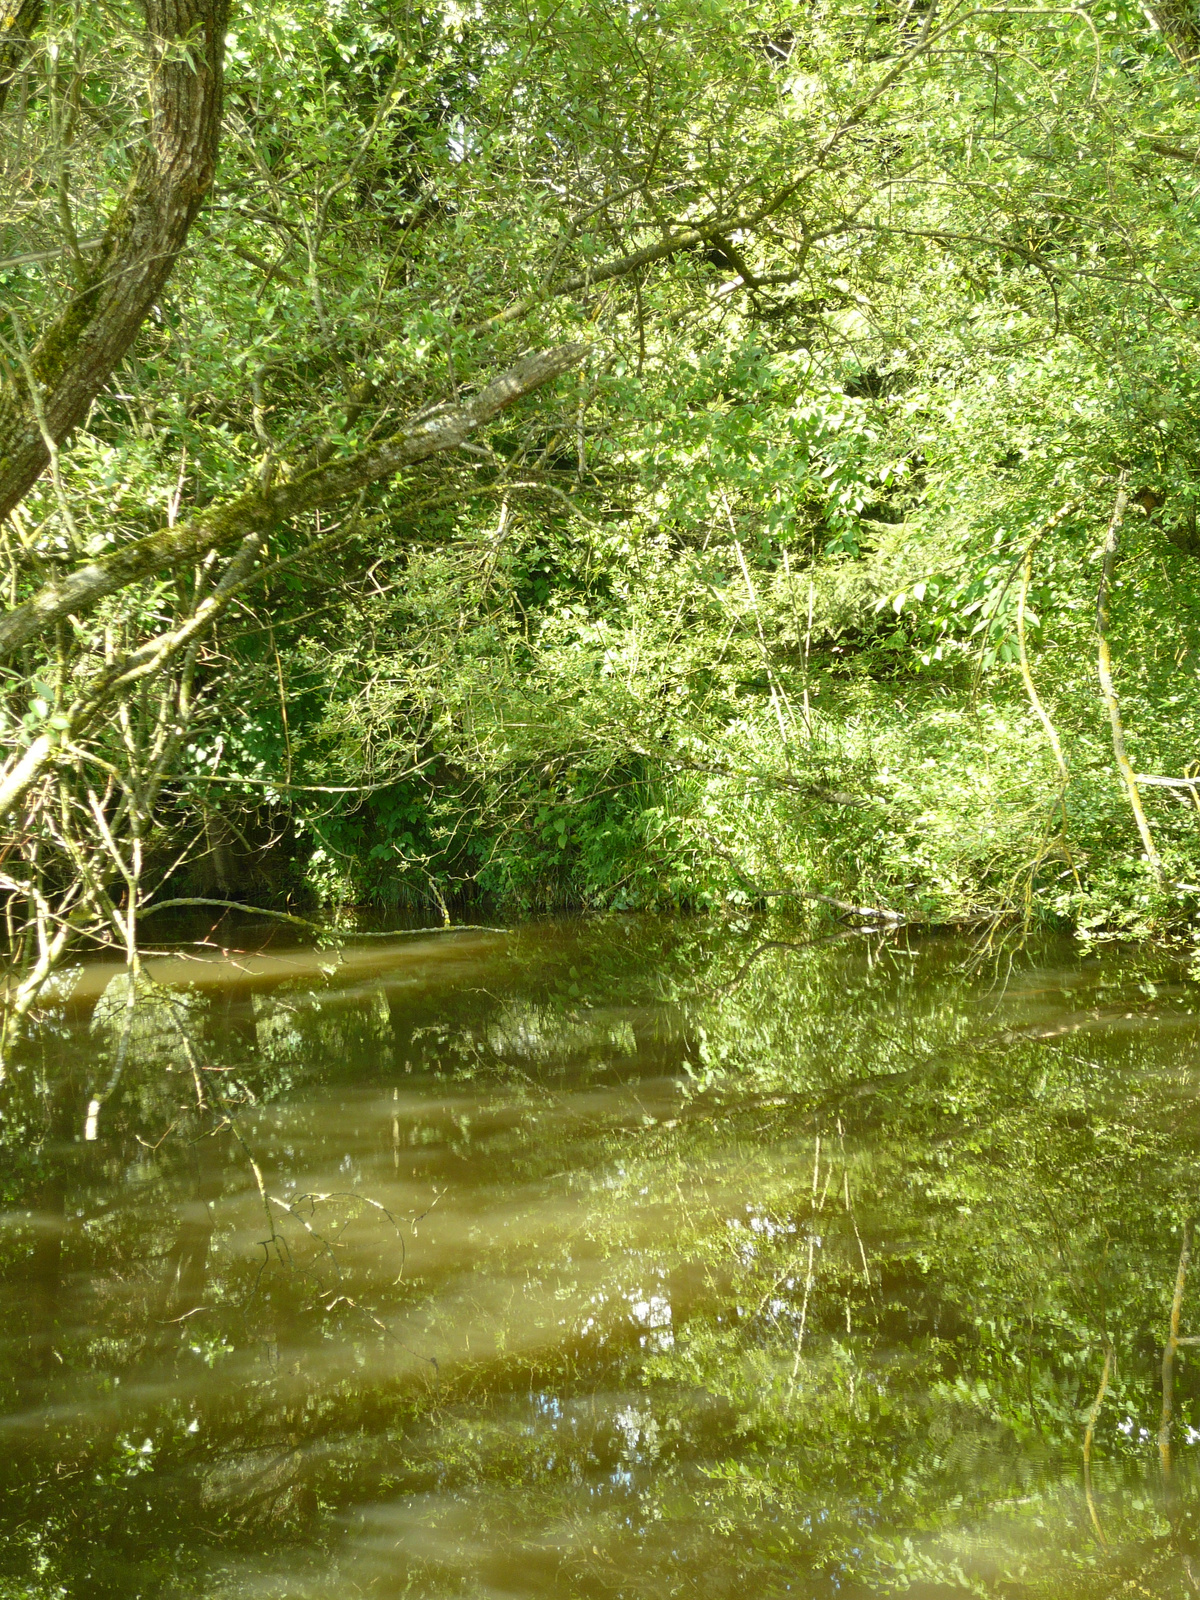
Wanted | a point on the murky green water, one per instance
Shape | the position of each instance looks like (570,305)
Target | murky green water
(623,1258)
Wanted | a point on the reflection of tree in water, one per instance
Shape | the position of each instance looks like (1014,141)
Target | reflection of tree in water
(827,1302)
(185,1266)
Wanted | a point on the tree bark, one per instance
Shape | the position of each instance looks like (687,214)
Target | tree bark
(1177,22)
(260,509)
(18,19)
(74,357)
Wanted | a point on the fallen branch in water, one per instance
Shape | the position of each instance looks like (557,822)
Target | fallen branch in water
(318,927)
(898,919)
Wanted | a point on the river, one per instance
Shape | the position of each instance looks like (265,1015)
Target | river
(616,1257)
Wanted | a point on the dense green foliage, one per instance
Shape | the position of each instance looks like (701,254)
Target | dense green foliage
(734,608)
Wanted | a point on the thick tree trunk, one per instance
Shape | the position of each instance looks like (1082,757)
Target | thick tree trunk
(18,19)
(73,358)
(260,509)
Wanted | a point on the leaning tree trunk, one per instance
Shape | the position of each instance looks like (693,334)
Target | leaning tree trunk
(18,19)
(74,356)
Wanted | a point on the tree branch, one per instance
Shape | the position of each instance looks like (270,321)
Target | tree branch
(721,227)
(1104,671)
(1174,152)
(260,509)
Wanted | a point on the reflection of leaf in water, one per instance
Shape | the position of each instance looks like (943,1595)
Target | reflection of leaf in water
(533,1032)
(159,1017)
(295,1022)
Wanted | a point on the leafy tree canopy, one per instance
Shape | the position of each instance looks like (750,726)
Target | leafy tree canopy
(615,456)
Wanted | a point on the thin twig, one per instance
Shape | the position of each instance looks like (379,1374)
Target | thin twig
(1026,674)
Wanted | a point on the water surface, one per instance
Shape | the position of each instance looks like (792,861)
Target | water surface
(602,1259)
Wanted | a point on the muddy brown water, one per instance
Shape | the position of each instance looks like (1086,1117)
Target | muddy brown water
(603,1258)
